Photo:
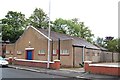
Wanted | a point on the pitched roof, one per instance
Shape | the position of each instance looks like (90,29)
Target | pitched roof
(76,40)
(81,42)
(102,48)
(55,35)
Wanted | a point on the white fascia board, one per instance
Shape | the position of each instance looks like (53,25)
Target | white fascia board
(29,48)
(40,32)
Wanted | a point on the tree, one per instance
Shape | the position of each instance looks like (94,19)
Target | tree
(100,42)
(39,19)
(112,45)
(59,25)
(109,43)
(72,27)
(85,32)
(12,26)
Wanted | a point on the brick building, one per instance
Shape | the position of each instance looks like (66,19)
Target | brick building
(33,45)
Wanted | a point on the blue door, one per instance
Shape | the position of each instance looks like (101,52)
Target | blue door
(29,55)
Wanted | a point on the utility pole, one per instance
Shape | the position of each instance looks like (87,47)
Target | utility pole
(58,48)
(48,63)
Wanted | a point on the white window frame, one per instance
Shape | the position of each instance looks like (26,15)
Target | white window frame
(54,51)
(64,52)
(40,51)
(7,52)
(19,52)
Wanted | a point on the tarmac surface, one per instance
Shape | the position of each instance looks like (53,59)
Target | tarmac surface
(77,73)
(17,73)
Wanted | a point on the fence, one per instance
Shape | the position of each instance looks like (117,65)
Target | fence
(109,57)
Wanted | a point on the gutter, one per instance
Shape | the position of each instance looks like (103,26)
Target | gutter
(83,53)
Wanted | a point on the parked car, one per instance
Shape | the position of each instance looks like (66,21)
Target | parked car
(3,62)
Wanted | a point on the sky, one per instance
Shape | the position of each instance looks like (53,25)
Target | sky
(101,16)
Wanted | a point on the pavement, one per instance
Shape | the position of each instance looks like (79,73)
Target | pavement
(78,73)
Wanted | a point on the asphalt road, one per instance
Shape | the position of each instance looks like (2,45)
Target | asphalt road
(16,73)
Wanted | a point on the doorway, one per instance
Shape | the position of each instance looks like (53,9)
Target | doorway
(29,55)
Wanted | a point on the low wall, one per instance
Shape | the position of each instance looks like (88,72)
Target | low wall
(102,69)
(35,63)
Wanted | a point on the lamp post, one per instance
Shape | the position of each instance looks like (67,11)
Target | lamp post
(48,63)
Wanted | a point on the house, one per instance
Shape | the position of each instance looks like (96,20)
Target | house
(33,45)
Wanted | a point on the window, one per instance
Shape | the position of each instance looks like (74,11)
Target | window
(96,54)
(54,51)
(41,52)
(60,51)
(7,52)
(64,51)
(19,52)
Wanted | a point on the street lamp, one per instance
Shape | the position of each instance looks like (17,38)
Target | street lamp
(48,63)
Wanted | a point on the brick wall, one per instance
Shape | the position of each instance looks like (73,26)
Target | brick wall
(102,69)
(39,42)
(105,70)
(36,63)
(9,50)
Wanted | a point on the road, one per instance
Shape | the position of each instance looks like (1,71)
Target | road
(16,73)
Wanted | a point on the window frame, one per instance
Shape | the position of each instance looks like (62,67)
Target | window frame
(41,52)
(54,52)
(64,52)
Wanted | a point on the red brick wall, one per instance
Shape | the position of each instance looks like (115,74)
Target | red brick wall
(32,64)
(55,65)
(102,70)
(86,67)
(105,70)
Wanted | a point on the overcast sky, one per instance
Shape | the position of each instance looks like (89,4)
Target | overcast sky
(101,16)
